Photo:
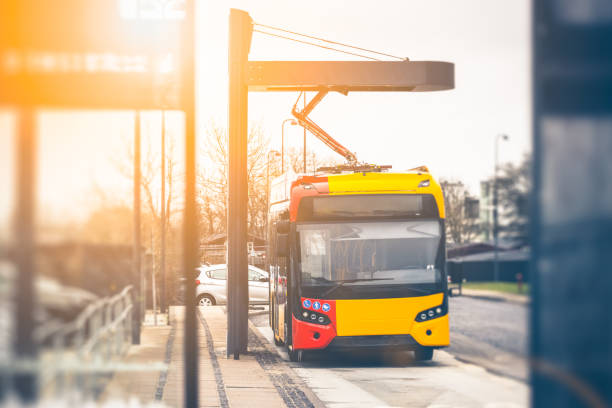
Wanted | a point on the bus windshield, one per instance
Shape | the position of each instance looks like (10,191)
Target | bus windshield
(366,253)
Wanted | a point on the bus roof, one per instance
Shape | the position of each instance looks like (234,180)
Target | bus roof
(291,187)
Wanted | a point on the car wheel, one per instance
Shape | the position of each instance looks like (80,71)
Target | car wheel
(205,300)
(423,353)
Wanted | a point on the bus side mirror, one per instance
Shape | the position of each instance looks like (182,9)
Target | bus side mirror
(282,245)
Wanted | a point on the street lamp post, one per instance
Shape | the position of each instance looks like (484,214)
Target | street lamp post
(292,122)
(495,211)
(272,153)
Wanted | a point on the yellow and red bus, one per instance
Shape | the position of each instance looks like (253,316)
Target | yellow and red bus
(357,260)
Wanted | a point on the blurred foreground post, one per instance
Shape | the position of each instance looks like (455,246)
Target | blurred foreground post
(136,272)
(571,204)
(191,239)
(25,383)
(240,30)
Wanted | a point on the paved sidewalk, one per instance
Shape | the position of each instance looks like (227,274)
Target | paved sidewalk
(362,379)
(259,378)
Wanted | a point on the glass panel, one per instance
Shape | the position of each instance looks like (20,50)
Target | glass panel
(254,276)
(366,206)
(219,274)
(389,252)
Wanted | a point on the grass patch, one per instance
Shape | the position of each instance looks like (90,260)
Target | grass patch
(504,287)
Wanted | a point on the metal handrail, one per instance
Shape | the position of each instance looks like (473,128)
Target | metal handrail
(99,333)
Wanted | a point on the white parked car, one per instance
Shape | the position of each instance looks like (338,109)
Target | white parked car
(211,285)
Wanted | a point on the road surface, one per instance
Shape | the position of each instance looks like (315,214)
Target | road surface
(490,333)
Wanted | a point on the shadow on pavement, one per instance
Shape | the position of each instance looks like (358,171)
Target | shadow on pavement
(365,358)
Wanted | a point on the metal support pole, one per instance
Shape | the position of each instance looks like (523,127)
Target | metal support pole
(495,220)
(191,240)
(495,210)
(162,257)
(240,31)
(304,170)
(153,286)
(270,153)
(266,234)
(25,383)
(136,270)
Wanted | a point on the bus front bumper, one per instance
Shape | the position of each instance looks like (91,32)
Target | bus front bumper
(431,333)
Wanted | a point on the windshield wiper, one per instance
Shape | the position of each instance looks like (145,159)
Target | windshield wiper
(427,292)
(339,283)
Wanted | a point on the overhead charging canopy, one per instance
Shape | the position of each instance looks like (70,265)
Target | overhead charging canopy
(345,77)
(350,76)
(320,76)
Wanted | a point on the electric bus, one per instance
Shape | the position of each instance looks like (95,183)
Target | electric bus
(357,260)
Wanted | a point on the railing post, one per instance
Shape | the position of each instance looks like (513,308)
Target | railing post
(60,378)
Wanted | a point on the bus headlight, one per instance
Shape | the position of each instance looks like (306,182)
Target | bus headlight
(424,183)
(432,313)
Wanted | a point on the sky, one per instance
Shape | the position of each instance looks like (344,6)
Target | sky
(452,132)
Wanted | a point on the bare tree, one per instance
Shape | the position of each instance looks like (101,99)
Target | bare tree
(295,158)
(212,193)
(212,178)
(513,186)
(460,227)
(150,173)
(109,225)
(151,205)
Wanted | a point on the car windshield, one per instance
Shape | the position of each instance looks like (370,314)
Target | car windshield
(370,252)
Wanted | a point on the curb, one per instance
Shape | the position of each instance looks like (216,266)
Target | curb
(484,363)
(258,313)
(496,297)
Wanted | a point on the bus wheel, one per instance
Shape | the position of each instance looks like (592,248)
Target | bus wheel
(297,356)
(423,353)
